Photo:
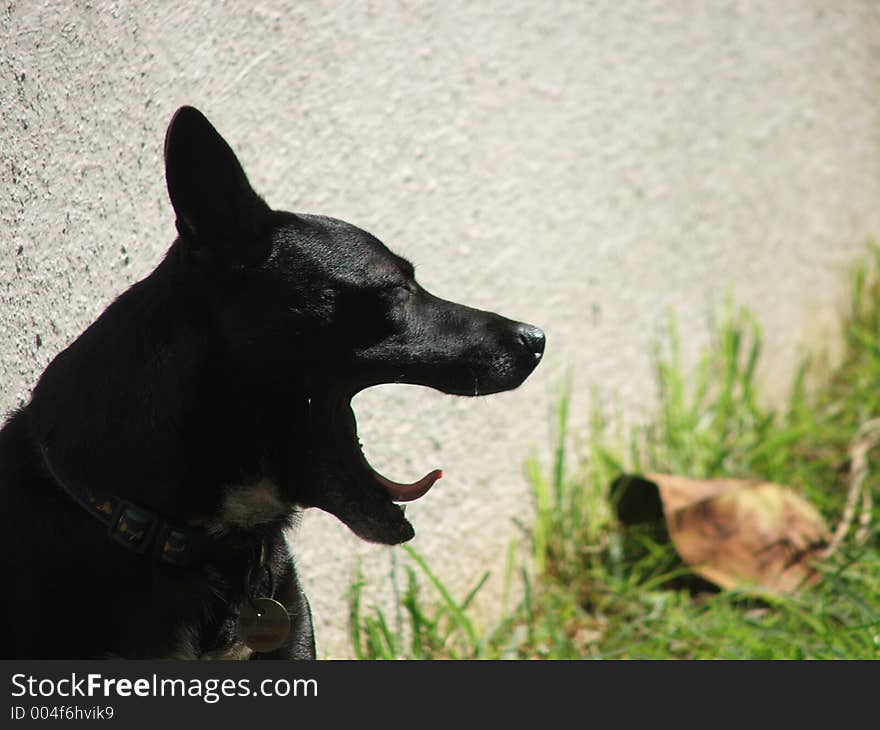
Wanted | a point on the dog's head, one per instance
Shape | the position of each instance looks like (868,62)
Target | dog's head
(327,307)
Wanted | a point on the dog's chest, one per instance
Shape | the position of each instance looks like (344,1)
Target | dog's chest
(207,626)
(242,507)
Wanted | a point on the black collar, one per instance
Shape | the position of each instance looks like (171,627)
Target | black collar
(140,529)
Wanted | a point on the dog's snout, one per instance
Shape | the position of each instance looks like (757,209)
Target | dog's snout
(533,338)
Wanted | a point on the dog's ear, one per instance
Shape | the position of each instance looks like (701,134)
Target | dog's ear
(216,208)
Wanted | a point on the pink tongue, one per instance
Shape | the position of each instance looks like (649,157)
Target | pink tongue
(409,492)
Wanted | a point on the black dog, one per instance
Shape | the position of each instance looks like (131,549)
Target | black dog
(146,486)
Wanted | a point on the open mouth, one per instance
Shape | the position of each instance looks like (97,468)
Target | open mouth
(341,481)
(337,476)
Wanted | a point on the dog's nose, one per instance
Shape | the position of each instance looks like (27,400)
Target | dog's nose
(533,338)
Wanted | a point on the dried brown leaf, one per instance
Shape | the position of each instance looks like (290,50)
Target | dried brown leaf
(739,533)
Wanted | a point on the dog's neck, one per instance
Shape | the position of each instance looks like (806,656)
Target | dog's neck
(162,413)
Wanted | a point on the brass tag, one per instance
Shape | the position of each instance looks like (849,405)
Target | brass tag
(264,624)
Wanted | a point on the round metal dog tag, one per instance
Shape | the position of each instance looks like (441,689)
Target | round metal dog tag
(264,624)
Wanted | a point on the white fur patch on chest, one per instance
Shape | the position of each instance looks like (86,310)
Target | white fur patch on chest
(247,506)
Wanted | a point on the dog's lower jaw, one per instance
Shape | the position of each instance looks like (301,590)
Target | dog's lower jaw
(365,509)
(367,504)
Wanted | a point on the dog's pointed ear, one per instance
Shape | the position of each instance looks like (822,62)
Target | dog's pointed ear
(215,205)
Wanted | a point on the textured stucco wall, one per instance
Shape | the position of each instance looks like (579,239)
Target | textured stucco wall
(586,166)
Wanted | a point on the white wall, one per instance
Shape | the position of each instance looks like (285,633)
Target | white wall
(585,166)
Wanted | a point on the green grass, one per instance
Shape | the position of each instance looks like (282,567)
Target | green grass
(593,588)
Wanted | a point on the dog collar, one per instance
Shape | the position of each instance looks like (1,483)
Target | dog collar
(137,528)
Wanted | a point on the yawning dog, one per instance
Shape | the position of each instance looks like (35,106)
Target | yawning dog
(146,485)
